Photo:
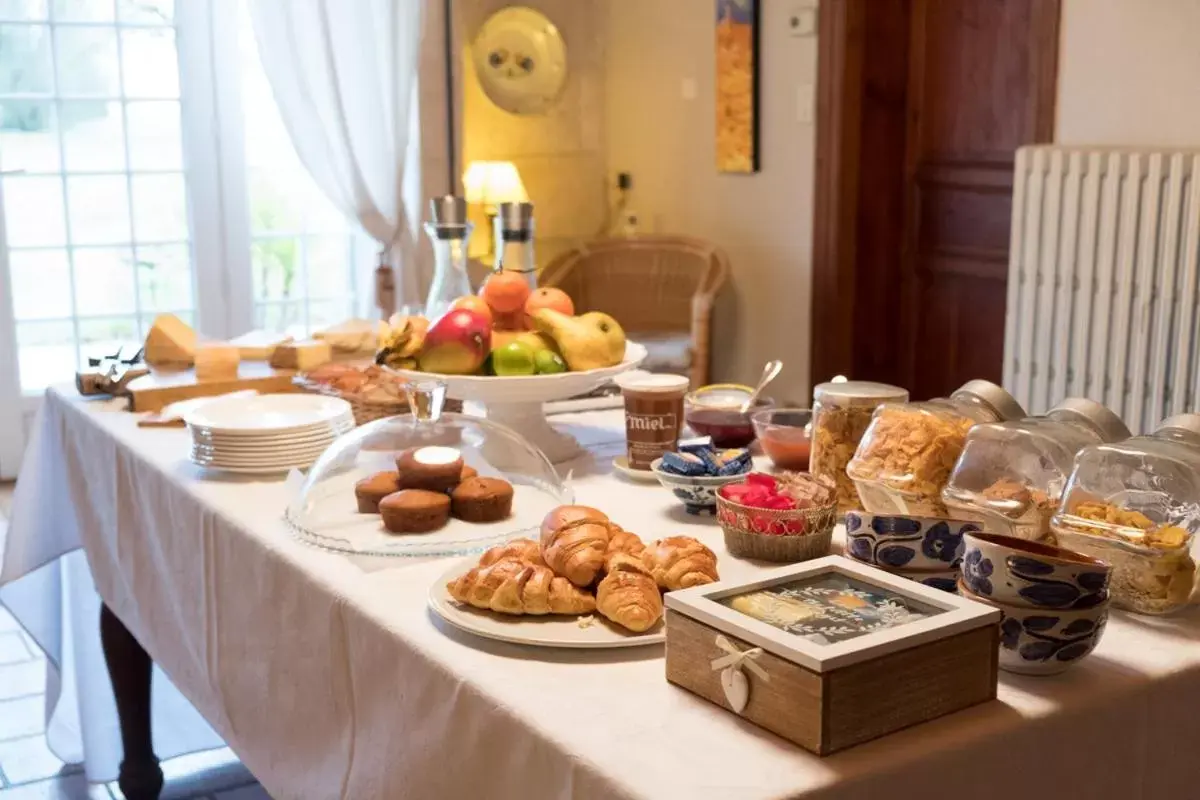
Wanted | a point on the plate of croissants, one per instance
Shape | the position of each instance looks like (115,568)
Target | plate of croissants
(586,582)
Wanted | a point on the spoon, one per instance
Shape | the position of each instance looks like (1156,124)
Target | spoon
(770,370)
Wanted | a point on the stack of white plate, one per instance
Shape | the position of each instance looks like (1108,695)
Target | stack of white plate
(267,433)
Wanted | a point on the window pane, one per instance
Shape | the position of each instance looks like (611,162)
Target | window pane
(87,61)
(99,207)
(25,59)
(146,11)
(285,317)
(28,136)
(330,272)
(151,65)
(276,265)
(41,281)
(155,141)
(104,281)
(272,208)
(23,9)
(164,277)
(33,211)
(159,208)
(83,10)
(106,337)
(93,136)
(323,313)
(45,353)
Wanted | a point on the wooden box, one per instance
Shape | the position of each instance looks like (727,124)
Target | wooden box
(831,653)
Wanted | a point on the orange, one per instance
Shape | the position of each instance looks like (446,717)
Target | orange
(549,297)
(505,292)
(472,303)
(516,321)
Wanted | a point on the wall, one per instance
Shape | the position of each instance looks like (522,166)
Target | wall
(1127,73)
(560,155)
(666,140)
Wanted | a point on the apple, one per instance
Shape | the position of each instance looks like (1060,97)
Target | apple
(457,344)
(515,358)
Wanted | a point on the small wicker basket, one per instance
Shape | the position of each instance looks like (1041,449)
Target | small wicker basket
(772,535)
(365,409)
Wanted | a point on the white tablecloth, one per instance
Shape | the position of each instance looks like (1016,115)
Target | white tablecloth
(329,677)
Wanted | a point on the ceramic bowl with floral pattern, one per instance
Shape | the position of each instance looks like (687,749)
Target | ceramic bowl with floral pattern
(1032,574)
(944,579)
(896,542)
(1040,641)
(698,492)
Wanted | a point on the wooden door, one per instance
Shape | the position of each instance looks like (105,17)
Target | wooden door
(929,100)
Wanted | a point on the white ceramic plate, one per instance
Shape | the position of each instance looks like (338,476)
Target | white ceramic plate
(242,470)
(275,413)
(251,461)
(531,388)
(621,465)
(548,631)
(320,430)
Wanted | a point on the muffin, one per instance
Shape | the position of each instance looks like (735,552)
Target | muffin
(438,469)
(482,499)
(467,472)
(414,511)
(373,488)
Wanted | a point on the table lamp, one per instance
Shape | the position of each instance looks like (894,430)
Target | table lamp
(490,183)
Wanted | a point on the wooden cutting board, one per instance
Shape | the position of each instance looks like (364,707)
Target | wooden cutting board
(160,388)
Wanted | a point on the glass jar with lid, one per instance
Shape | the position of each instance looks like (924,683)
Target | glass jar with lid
(1136,505)
(909,449)
(841,413)
(1011,475)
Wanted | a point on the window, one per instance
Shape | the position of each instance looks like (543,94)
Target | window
(97,152)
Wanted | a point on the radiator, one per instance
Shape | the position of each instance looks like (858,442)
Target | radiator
(1102,280)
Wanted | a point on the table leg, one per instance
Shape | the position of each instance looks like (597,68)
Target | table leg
(129,669)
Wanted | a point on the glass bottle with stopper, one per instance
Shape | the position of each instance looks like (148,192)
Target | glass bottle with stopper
(449,231)
(514,238)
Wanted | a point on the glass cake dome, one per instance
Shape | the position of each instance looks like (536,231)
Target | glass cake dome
(326,511)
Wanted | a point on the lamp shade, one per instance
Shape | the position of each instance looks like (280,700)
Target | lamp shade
(494,182)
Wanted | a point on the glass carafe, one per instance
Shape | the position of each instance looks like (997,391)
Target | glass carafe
(1011,475)
(448,231)
(1136,505)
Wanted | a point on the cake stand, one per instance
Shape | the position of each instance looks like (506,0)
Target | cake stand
(517,401)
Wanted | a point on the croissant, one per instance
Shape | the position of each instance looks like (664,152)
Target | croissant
(515,587)
(678,562)
(622,541)
(518,549)
(574,542)
(628,594)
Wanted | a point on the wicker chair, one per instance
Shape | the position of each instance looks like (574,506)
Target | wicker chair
(660,288)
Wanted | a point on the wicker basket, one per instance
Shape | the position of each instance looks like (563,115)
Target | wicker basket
(365,410)
(771,535)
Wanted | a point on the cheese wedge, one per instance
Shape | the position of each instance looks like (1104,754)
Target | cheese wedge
(216,361)
(301,356)
(258,345)
(170,343)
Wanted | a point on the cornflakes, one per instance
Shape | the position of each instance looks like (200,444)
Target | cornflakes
(836,433)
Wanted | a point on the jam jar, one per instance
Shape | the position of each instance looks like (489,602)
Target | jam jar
(841,413)
(1011,475)
(909,449)
(1136,505)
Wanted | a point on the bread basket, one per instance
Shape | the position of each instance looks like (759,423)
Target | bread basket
(366,409)
(775,535)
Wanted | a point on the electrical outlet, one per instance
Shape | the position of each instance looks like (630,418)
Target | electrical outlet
(802,20)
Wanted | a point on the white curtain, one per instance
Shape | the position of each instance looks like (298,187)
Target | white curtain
(344,74)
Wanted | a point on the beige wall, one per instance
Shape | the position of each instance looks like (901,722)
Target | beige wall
(560,155)
(764,221)
(1128,72)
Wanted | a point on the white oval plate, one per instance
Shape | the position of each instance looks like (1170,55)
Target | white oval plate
(621,465)
(271,458)
(548,631)
(275,413)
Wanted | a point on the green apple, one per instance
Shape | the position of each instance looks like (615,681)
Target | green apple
(514,358)
(549,362)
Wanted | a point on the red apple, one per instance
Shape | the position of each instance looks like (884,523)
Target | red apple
(457,344)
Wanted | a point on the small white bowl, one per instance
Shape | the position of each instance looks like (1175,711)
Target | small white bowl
(1044,641)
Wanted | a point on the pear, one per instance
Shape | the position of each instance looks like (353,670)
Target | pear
(590,341)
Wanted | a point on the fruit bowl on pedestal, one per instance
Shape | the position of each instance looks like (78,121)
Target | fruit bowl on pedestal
(516,401)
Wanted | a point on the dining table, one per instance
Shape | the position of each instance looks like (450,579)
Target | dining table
(330,677)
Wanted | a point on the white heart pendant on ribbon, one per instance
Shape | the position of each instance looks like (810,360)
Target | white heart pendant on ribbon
(737,688)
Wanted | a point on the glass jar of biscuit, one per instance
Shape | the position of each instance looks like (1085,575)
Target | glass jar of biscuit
(841,413)
(1136,505)
(909,449)
(1011,475)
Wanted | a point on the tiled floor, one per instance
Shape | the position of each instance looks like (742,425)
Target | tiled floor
(29,771)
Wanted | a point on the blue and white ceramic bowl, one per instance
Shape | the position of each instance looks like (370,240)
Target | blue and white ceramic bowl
(1032,574)
(1036,641)
(698,492)
(944,579)
(896,542)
